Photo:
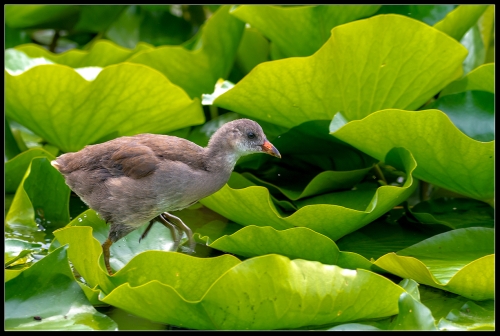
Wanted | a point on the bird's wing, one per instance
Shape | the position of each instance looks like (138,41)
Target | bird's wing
(133,160)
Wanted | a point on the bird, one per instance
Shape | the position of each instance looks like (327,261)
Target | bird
(133,180)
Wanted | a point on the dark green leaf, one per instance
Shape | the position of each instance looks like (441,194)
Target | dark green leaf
(472,112)
(429,14)
(302,30)
(50,281)
(455,213)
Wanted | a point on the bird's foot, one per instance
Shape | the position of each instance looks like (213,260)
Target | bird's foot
(183,228)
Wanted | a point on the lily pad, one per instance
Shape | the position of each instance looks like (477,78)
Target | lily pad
(413,315)
(86,253)
(472,112)
(12,147)
(460,261)
(324,182)
(466,167)
(387,61)
(97,18)
(253,205)
(55,102)
(480,79)
(445,304)
(430,14)
(125,249)
(380,237)
(455,213)
(39,203)
(473,41)
(16,249)
(295,30)
(253,49)
(193,300)
(470,317)
(197,71)
(486,25)
(458,21)
(272,286)
(295,243)
(17,166)
(102,53)
(50,280)
(38,16)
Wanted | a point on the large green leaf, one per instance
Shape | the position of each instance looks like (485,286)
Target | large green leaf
(466,167)
(413,315)
(472,112)
(295,243)
(14,37)
(324,182)
(486,24)
(101,54)
(55,102)
(430,14)
(473,41)
(449,312)
(480,79)
(38,16)
(12,148)
(190,291)
(453,312)
(197,71)
(300,31)
(459,20)
(253,205)
(387,61)
(47,297)
(380,237)
(460,261)
(470,317)
(268,292)
(85,253)
(253,49)
(126,29)
(16,167)
(87,261)
(454,213)
(97,18)
(41,200)
(139,23)
(17,250)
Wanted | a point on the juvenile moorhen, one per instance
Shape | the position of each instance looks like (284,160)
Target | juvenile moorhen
(132,180)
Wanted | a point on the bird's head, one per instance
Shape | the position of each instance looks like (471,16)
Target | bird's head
(244,136)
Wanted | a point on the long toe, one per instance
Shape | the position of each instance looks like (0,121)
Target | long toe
(176,236)
(184,228)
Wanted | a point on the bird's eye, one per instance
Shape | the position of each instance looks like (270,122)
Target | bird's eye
(251,135)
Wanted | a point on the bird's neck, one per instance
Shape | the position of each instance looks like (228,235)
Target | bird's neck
(220,155)
(221,159)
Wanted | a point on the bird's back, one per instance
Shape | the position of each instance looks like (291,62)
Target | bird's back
(106,175)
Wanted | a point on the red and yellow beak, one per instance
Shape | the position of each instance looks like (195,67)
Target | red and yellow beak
(268,148)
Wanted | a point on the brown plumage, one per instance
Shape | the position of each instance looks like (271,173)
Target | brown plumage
(132,180)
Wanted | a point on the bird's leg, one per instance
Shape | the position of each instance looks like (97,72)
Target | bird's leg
(145,233)
(183,227)
(173,230)
(105,250)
